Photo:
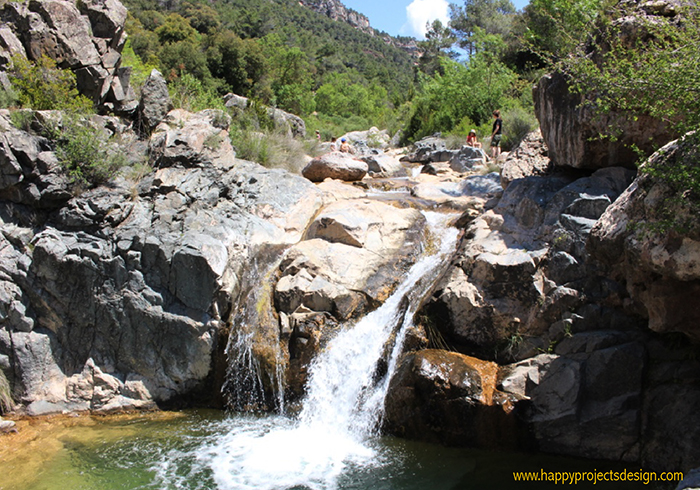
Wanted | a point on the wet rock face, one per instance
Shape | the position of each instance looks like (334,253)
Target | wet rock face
(88,40)
(116,298)
(445,397)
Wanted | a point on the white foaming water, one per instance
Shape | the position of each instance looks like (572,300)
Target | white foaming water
(343,405)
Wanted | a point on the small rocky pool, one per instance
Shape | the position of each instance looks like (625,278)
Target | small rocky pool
(202,450)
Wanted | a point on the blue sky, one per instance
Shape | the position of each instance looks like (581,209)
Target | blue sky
(406,17)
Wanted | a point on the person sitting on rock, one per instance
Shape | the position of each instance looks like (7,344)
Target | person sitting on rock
(334,144)
(471,139)
(345,146)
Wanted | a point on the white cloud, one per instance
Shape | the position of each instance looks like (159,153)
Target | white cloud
(420,12)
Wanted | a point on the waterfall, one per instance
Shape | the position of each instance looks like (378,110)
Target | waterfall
(343,404)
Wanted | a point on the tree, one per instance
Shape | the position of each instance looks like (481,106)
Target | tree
(470,91)
(438,42)
(656,73)
(201,16)
(556,27)
(491,16)
(175,29)
(293,76)
(239,62)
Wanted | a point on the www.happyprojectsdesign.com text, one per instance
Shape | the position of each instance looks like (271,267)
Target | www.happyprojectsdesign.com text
(595,477)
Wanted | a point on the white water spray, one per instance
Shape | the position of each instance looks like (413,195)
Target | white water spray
(343,405)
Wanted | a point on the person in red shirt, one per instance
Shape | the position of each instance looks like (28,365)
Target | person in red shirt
(471,139)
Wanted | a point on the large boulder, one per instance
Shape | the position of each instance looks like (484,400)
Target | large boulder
(572,127)
(335,165)
(650,239)
(155,101)
(187,139)
(446,397)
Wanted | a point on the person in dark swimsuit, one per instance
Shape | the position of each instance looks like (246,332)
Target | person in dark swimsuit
(496,134)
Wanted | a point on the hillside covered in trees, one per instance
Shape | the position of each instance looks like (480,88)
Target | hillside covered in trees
(341,78)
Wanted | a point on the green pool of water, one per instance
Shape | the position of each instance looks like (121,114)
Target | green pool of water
(182,450)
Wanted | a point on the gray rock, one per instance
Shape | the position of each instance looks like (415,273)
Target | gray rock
(7,426)
(691,480)
(89,43)
(661,270)
(426,147)
(43,407)
(529,158)
(571,129)
(464,159)
(383,164)
(107,18)
(155,100)
(139,280)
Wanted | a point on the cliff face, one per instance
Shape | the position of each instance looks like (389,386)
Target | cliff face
(87,38)
(337,11)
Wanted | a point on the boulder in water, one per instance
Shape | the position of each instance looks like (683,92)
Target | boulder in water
(450,398)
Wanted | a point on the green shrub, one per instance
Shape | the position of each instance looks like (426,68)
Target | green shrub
(22,119)
(41,85)
(8,98)
(517,123)
(139,70)
(269,149)
(189,93)
(85,152)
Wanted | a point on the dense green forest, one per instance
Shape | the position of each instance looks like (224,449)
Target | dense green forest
(278,52)
(338,78)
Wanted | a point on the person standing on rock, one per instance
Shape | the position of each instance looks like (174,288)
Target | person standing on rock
(496,134)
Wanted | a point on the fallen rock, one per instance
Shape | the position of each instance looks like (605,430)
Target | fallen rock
(335,165)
